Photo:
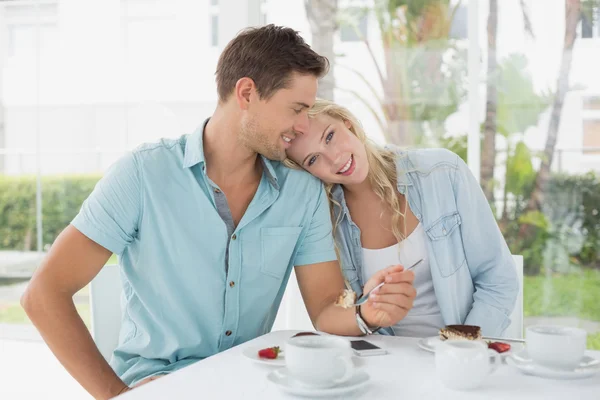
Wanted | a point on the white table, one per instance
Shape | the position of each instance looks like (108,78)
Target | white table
(407,372)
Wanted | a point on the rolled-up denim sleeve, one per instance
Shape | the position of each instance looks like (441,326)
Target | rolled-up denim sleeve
(110,215)
(317,245)
(489,259)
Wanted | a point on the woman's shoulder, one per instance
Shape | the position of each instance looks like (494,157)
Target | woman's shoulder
(424,160)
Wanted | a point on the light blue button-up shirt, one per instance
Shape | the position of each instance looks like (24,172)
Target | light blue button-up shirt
(194,284)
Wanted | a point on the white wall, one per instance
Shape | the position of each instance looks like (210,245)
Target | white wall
(113,76)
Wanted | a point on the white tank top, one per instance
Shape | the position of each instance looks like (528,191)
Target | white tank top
(424,319)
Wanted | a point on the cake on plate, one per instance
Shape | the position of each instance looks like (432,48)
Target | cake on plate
(465,332)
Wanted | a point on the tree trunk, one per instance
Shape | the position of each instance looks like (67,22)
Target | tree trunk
(488,156)
(504,217)
(526,19)
(572,17)
(2,121)
(400,131)
(397,96)
(2,138)
(322,17)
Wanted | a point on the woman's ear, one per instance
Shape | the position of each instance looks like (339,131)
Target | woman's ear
(348,124)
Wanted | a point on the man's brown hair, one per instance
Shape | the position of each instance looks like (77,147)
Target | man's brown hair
(268,55)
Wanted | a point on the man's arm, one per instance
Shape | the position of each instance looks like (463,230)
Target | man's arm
(321,284)
(72,263)
(107,223)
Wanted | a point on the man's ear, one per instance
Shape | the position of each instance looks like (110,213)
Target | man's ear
(244,88)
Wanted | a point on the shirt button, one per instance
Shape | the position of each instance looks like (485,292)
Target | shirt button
(228,333)
(217,190)
(234,236)
(444,231)
(231,284)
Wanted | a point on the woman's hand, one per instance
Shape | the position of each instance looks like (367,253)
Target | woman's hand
(390,303)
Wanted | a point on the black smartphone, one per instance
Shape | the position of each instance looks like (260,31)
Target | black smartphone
(363,348)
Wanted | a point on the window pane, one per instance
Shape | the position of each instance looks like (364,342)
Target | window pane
(78,90)
(558,239)
(409,87)
(214,30)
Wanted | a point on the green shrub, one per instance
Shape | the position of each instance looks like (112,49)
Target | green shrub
(62,197)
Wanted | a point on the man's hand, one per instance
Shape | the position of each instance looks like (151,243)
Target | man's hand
(391,302)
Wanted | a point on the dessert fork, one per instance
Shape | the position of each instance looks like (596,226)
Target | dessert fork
(365,297)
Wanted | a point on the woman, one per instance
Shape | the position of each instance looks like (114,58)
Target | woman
(391,206)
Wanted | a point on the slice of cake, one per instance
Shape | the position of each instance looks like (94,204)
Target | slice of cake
(465,332)
(346,299)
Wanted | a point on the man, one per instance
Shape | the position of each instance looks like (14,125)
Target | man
(207,229)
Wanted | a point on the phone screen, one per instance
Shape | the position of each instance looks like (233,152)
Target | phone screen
(363,345)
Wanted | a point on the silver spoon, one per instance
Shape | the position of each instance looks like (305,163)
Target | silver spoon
(365,297)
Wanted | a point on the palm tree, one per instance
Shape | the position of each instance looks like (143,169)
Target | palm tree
(2,137)
(572,18)
(422,71)
(519,106)
(322,17)
(488,154)
(2,126)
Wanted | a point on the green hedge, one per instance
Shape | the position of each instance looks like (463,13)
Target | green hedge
(567,232)
(62,197)
(570,219)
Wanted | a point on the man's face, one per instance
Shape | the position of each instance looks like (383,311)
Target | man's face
(269,126)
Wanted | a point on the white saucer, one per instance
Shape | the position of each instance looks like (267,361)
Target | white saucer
(588,366)
(429,344)
(252,353)
(282,378)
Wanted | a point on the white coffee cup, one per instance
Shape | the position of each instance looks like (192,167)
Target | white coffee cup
(319,361)
(464,364)
(559,347)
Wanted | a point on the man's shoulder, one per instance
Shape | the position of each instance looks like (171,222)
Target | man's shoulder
(163,147)
(151,160)
(292,179)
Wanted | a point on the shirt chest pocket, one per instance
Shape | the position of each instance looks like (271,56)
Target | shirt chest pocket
(277,249)
(447,244)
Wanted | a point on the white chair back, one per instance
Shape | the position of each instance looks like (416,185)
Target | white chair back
(105,306)
(515,329)
(292,312)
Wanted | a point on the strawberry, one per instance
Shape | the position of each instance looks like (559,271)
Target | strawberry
(270,353)
(500,347)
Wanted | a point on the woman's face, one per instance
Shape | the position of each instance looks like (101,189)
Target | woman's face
(331,152)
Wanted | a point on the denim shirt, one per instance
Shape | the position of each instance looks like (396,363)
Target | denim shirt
(473,272)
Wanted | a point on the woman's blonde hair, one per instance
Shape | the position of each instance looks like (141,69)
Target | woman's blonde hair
(382,166)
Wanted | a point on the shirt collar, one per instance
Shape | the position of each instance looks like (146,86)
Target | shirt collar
(194,147)
(194,154)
